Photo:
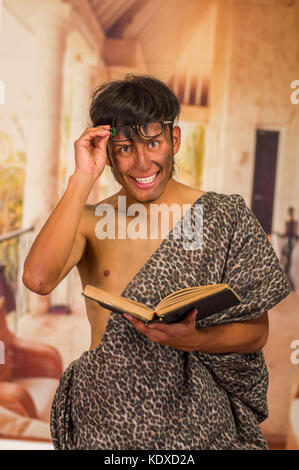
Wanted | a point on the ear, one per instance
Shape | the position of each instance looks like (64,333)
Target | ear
(176,139)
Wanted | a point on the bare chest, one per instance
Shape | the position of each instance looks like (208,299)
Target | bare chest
(112,264)
(119,246)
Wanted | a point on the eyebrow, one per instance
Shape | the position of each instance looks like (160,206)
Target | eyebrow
(122,144)
(128,142)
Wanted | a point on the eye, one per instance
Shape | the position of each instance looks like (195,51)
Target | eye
(153,144)
(125,149)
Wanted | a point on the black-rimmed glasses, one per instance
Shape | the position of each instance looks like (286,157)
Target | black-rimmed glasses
(147,130)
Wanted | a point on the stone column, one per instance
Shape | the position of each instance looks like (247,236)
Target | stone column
(50,25)
(215,157)
(78,69)
(79,62)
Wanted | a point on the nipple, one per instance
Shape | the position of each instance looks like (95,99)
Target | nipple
(107,272)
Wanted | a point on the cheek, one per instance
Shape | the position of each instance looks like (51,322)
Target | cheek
(122,165)
(168,159)
(163,155)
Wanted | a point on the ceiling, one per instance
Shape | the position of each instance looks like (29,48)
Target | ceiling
(176,36)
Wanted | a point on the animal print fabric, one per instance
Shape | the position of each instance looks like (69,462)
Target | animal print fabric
(131,393)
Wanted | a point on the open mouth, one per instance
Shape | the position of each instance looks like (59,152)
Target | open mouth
(147,182)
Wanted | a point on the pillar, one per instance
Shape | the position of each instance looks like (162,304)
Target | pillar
(50,26)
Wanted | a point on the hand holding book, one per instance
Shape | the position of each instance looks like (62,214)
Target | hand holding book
(180,335)
(173,308)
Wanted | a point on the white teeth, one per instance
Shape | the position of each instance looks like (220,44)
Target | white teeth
(150,179)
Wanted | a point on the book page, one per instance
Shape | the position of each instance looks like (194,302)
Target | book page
(121,303)
(186,295)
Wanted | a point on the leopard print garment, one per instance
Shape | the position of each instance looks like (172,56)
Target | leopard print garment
(131,393)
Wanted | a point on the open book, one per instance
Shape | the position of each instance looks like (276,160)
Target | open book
(174,307)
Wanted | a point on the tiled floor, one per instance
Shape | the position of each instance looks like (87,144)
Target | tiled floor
(284,329)
(11,444)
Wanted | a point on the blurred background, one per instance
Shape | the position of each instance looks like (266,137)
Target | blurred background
(234,65)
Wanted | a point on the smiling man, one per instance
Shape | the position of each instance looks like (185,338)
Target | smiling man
(197,384)
(146,145)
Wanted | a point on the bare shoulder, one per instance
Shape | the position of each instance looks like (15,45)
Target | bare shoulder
(197,192)
(89,215)
(90,209)
(190,194)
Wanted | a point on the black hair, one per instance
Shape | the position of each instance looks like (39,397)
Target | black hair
(133,100)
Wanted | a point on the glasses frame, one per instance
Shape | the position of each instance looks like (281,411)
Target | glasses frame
(137,129)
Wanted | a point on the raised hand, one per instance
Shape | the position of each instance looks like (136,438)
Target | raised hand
(90,151)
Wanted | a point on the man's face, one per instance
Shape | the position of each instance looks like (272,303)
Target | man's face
(143,167)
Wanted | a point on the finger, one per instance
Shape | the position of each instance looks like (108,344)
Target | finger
(191,316)
(158,326)
(167,328)
(143,328)
(91,136)
(95,129)
(163,333)
(98,141)
(91,132)
(139,325)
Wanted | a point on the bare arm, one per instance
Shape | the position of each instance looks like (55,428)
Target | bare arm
(240,337)
(60,243)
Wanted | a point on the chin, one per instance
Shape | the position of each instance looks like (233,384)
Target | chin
(147,197)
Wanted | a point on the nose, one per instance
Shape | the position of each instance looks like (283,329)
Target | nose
(143,158)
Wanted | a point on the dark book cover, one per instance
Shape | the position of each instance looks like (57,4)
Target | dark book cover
(206,306)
